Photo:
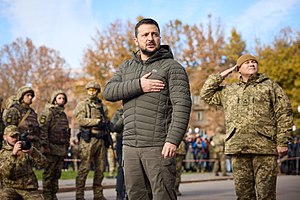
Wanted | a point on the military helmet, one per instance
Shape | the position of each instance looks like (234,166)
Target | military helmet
(22,91)
(93,84)
(57,92)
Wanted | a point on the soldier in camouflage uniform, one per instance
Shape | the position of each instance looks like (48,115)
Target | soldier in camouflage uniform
(54,124)
(218,144)
(24,117)
(180,154)
(258,119)
(92,118)
(16,167)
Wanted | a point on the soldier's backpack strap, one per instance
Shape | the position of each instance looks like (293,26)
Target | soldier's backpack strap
(88,110)
(24,117)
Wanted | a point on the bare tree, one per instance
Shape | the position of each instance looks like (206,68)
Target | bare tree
(42,68)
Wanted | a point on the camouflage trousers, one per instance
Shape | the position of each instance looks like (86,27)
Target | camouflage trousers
(220,160)
(51,175)
(93,151)
(11,193)
(255,176)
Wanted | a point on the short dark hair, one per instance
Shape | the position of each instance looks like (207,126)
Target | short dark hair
(145,21)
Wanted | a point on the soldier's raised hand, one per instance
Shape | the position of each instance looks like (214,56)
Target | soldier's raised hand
(226,72)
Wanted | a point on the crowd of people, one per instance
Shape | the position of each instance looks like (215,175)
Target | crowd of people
(152,146)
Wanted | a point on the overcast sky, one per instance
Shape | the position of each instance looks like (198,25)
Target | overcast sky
(68,25)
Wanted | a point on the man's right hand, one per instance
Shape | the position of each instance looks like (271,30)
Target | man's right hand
(226,72)
(17,148)
(151,85)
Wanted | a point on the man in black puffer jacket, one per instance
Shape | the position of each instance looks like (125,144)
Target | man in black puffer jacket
(156,99)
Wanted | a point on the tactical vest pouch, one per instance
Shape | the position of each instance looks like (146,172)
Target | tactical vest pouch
(60,136)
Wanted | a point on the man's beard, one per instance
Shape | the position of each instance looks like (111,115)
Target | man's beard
(61,105)
(147,52)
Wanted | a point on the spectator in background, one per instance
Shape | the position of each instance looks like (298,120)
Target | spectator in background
(199,147)
(189,156)
(207,164)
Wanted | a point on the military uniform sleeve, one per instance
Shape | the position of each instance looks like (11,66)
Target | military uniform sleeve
(7,163)
(180,97)
(81,116)
(39,160)
(12,117)
(45,123)
(211,90)
(284,116)
(116,89)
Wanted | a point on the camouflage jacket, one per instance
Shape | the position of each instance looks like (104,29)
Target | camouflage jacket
(55,126)
(218,143)
(30,124)
(17,171)
(258,113)
(88,113)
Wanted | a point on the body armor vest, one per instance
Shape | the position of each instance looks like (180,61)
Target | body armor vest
(59,132)
(28,123)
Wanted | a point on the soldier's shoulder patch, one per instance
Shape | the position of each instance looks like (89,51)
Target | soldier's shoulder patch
(43,119)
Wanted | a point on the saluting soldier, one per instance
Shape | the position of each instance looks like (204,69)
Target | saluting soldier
(259,121)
